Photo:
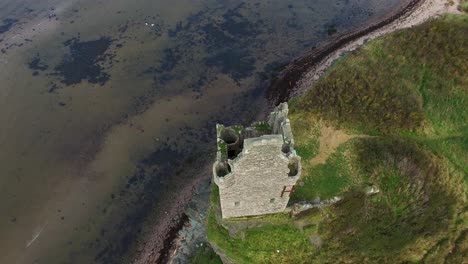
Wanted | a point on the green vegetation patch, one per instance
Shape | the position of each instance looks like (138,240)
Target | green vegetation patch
(222,148)
(306,134)
(308,149)
(262,127)
(266,244)
(463,6)
(325,180)
(205,255)
(419,205)
(453,148)
(408,79)
(408,92)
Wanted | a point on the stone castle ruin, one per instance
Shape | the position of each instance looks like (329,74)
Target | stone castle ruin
(256,167)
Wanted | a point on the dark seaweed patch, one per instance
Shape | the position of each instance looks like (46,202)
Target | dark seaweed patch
(331,29)
(293,21)
(37,65)
(84,61)
(169,61)
(53,87)
(239,63)
(200,81)
(162,73)
(173,32)
(294,24)
(123,28)
(7,25)
(226,39)
(157,30)
(215,37)
(232,37)
(237,25)
(151,179)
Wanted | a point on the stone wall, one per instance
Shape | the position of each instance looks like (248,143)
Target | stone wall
(257,180)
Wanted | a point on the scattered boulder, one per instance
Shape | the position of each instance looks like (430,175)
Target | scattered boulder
(316,240)
(370,190)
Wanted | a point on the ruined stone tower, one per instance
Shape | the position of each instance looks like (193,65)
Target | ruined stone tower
(256,167)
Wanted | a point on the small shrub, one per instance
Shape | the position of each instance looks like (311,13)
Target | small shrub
(205,255)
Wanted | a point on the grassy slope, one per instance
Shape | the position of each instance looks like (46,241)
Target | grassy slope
(205,255)
(409,90)
(463,5)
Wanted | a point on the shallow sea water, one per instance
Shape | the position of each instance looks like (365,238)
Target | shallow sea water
(107,106)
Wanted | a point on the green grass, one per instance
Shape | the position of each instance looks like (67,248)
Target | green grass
(263,127)
(418,205)
(308,150)
(205,255)
(464,6)
(325,180)
(258,244)
(409,92)
(311,229)
(452,148)
(307,135)
(404,81)
(266,244)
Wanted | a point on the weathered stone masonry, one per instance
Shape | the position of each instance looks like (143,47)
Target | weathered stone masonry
(256,167)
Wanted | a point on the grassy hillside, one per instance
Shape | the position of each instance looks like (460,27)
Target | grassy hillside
(463,5)
(390,116)
(205,255)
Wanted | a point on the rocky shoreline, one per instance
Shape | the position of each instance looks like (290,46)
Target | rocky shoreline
(302,72)
(163,237)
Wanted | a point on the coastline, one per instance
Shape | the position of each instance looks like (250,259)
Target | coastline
(157,246)
(294,80)
(302,72)
(408,82)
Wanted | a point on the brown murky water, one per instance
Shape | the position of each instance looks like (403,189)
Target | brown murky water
(104,103)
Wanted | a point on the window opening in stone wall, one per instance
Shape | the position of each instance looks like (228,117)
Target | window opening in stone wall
(222,169)
(286,148)
(293,167)
(272,200)
(237,203)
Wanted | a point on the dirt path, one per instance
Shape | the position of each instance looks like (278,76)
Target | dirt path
(330,139)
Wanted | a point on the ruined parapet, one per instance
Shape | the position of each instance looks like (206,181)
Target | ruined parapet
(256,167)
(280,123)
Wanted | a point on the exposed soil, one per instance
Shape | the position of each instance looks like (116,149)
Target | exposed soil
(330,140)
